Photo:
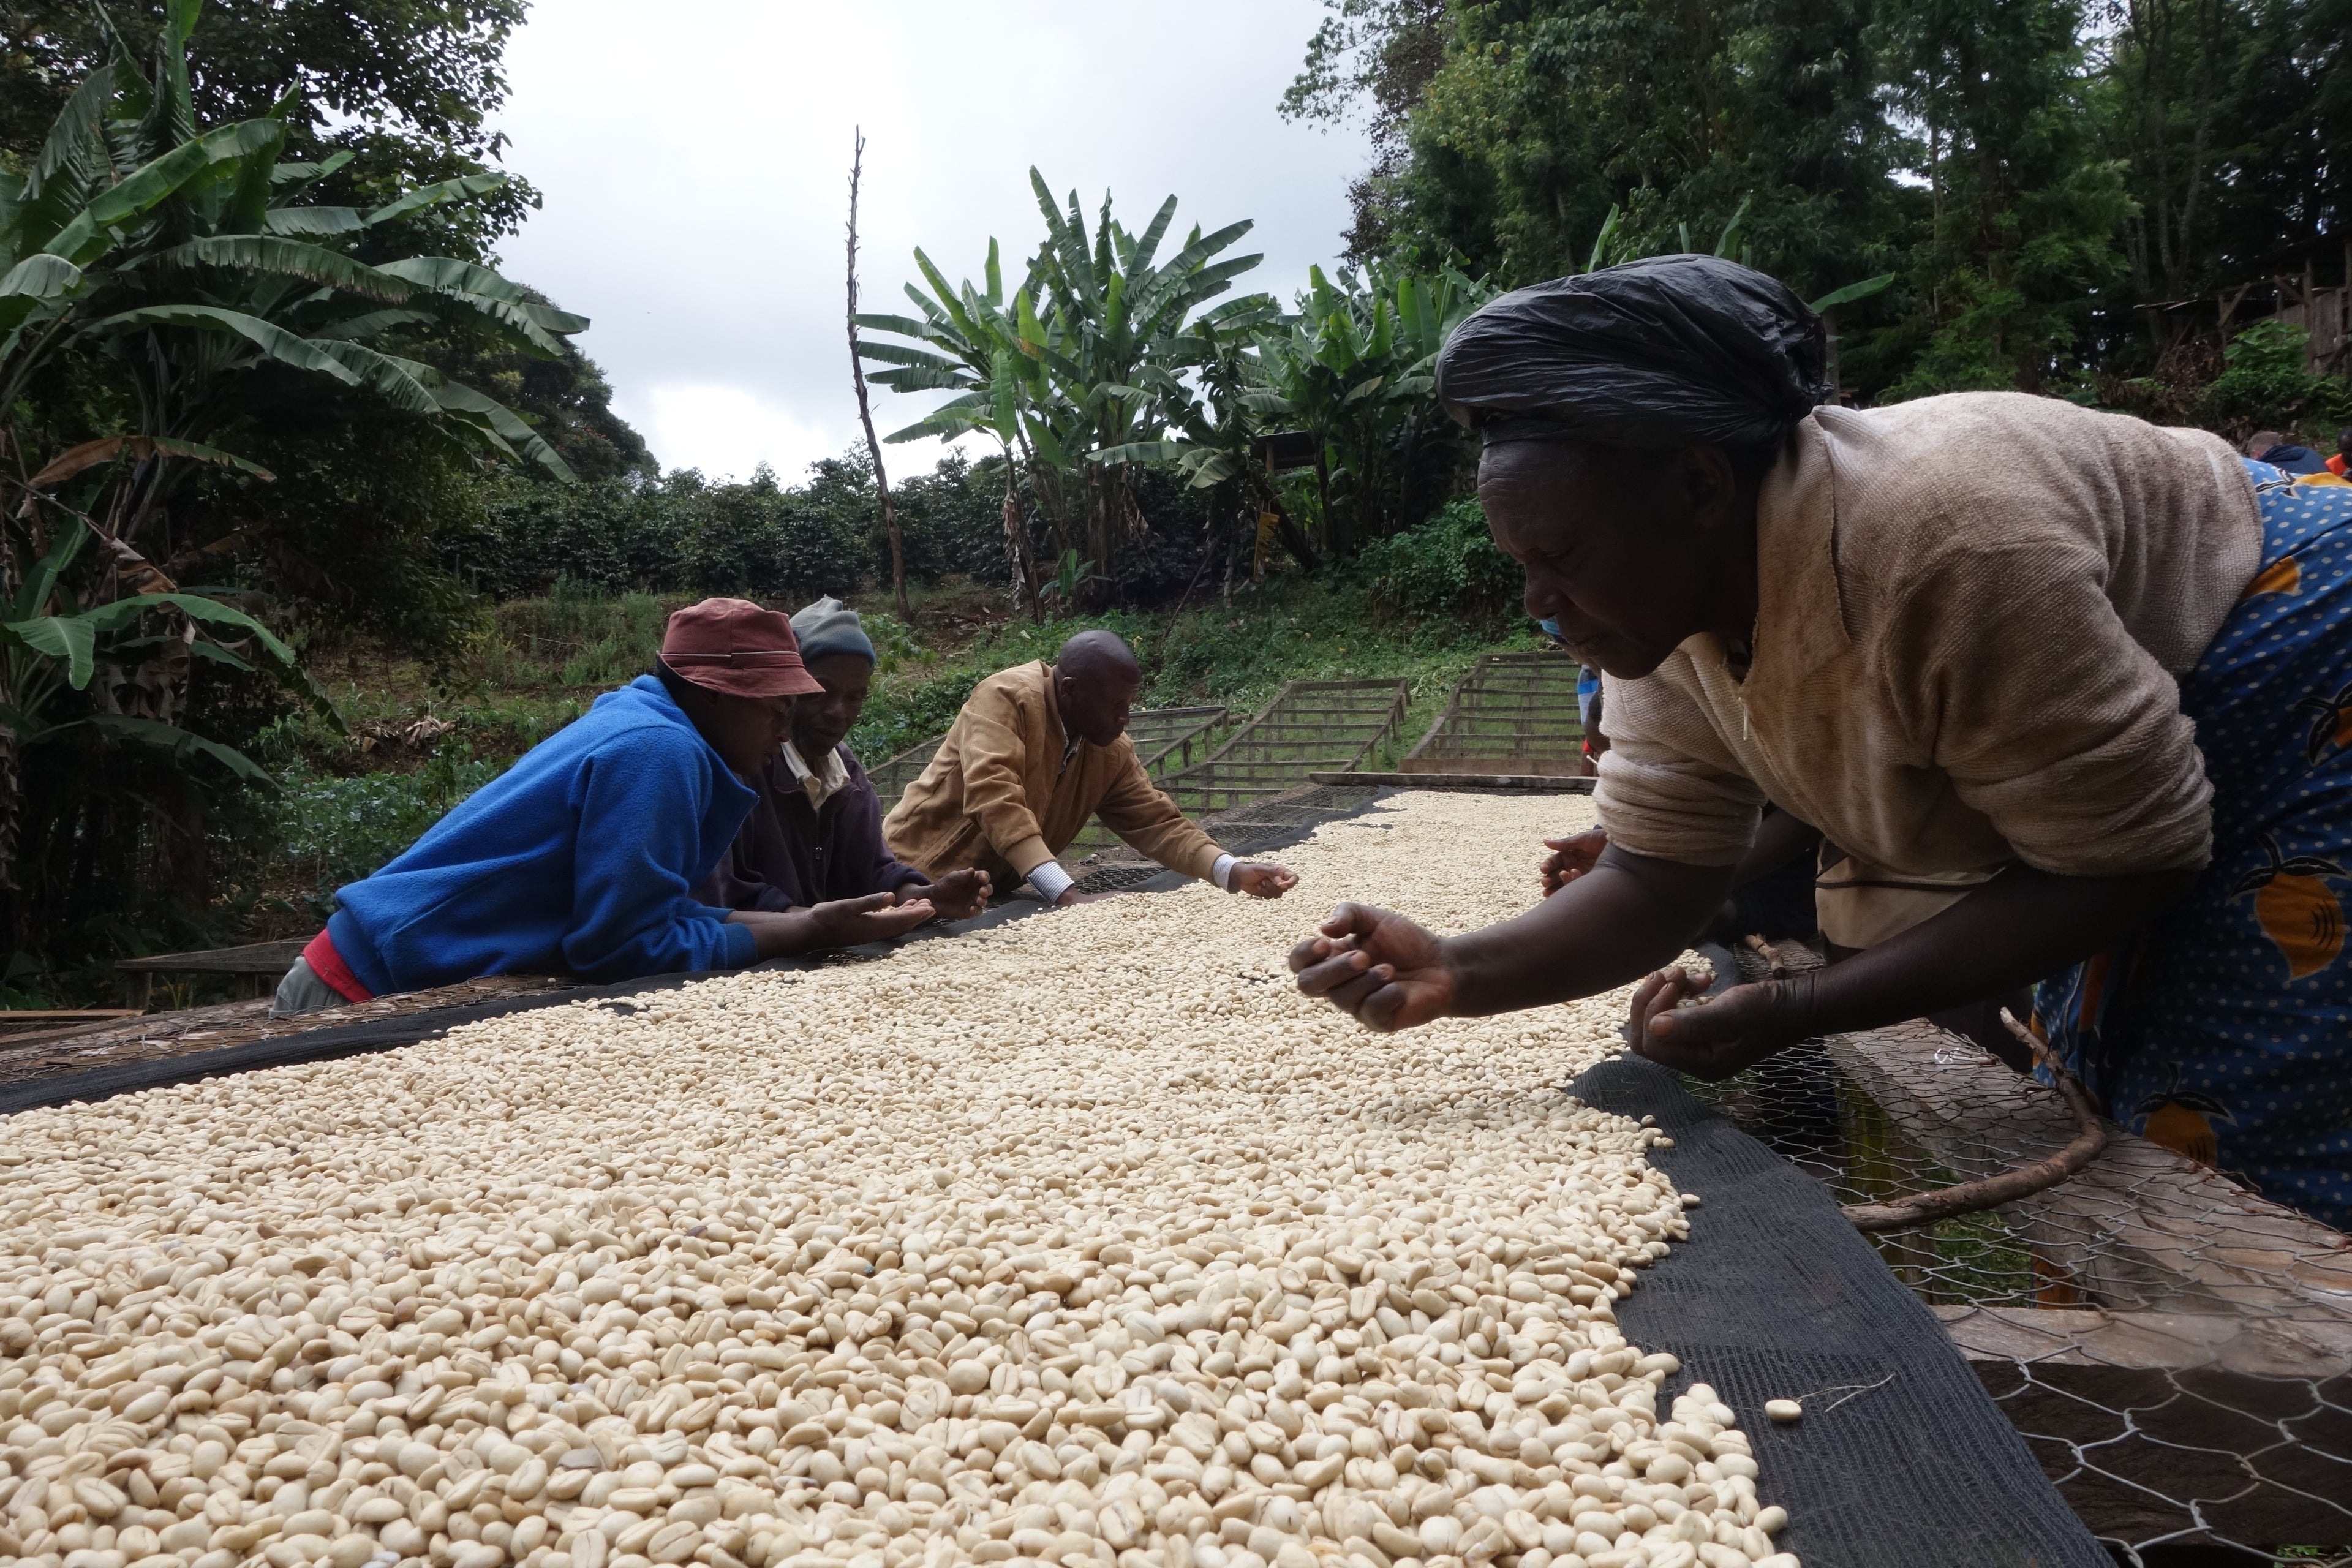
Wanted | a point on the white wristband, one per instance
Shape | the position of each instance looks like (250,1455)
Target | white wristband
(1222,871)
(1051,881)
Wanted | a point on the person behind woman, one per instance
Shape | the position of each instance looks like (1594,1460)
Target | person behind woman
(816,834)
(578,859)
(2104,662)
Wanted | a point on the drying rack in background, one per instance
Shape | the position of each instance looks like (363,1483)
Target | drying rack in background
(1514,713)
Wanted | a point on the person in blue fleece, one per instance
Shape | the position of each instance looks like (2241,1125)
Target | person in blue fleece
(580,859)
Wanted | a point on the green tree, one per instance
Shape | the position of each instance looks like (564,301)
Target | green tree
(2023,236)
(167,291)
(407,86)
(1544,116)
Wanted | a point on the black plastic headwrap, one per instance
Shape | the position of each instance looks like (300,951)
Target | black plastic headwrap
(1654,354)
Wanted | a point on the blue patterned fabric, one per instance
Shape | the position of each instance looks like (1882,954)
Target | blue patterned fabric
(2224,1028)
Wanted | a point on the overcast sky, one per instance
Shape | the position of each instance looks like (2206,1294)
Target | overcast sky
(695,157)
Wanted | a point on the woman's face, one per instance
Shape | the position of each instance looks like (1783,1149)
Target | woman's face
(1632,555)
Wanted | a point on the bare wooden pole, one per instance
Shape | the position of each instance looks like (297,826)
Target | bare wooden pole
(865,414)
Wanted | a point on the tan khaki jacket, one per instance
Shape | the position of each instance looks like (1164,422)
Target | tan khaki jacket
(997,798)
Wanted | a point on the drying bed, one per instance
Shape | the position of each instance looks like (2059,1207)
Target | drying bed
(1078,1237)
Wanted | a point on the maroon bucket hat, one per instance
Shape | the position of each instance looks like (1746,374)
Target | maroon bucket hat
(734,647)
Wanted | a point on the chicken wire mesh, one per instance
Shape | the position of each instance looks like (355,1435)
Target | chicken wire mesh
(2176,1350)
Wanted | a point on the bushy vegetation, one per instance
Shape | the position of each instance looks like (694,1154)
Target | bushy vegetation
(1449,566)
(2036,175)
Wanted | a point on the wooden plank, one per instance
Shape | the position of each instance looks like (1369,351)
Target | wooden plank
(1545,783)
(252,958)
(1512,713)
(41,1020)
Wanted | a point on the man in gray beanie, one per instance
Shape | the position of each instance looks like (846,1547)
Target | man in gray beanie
(816,833)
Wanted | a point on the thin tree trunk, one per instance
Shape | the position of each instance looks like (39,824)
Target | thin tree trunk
(865,414)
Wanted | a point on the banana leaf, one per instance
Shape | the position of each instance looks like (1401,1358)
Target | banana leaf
(291,259)
(312,220)
(272,339)
(434,195)
(183,742)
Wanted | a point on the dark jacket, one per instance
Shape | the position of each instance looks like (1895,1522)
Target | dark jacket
(790,855)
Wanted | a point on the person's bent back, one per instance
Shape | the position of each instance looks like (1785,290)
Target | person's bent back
(580,857)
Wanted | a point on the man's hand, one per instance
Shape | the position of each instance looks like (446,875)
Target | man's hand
(1260,879)
(876,917)
(1071,898)
(1713,1040)
(958,896)
(1377,967)
(1571,858)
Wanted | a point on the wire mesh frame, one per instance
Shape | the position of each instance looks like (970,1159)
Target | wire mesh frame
(1253,829)
(891,779)
(1311,726)
(1161,736)
(1165,739)
(1513,713)
(2176,1350)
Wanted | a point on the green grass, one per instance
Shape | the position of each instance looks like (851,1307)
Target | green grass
(1239,655)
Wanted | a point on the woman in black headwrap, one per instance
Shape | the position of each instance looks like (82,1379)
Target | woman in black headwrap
(2096,671)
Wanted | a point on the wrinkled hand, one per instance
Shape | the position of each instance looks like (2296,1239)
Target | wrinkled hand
(1571,858)
(1260,879)
(1713,1040)
(958,896)
(1071,898)
(1377,967)
(877,917)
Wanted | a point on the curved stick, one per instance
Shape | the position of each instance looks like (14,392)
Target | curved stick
(1991,1192)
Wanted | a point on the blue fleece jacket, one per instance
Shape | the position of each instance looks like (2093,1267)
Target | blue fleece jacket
(578,858)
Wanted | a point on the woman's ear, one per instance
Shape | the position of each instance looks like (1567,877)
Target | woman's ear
(1710,485)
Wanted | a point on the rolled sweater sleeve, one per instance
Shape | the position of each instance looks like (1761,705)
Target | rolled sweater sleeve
(2018,678)
(641,808)
(1669,789)
(1141,813)
(992,753)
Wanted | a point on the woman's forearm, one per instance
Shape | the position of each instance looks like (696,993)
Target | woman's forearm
(1615,923)
(2022,926)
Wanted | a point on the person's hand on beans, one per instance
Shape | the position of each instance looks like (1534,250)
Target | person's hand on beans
(1260,878)
(1713,1040)
(1571,858)
(958,896)
(1378,967)
(876,917)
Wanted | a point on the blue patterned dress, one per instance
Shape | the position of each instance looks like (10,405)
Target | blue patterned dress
(2224,1028)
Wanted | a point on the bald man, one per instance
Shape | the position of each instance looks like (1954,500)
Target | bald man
(1037,749)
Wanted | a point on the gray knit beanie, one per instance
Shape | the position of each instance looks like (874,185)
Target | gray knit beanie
(831,627)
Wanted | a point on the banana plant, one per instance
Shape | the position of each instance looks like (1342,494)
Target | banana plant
(189,262)
(1356,369)
(1107,335)
(1084,358)
(51,643)
(190,265)
(964,341)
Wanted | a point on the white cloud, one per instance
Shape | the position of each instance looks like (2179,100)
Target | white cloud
(695,158)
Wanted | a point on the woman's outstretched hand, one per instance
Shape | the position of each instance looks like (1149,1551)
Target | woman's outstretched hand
(1713,1040)
(1571,858)
(1378,967)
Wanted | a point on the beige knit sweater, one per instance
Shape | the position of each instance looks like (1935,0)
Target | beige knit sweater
(1973,609)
